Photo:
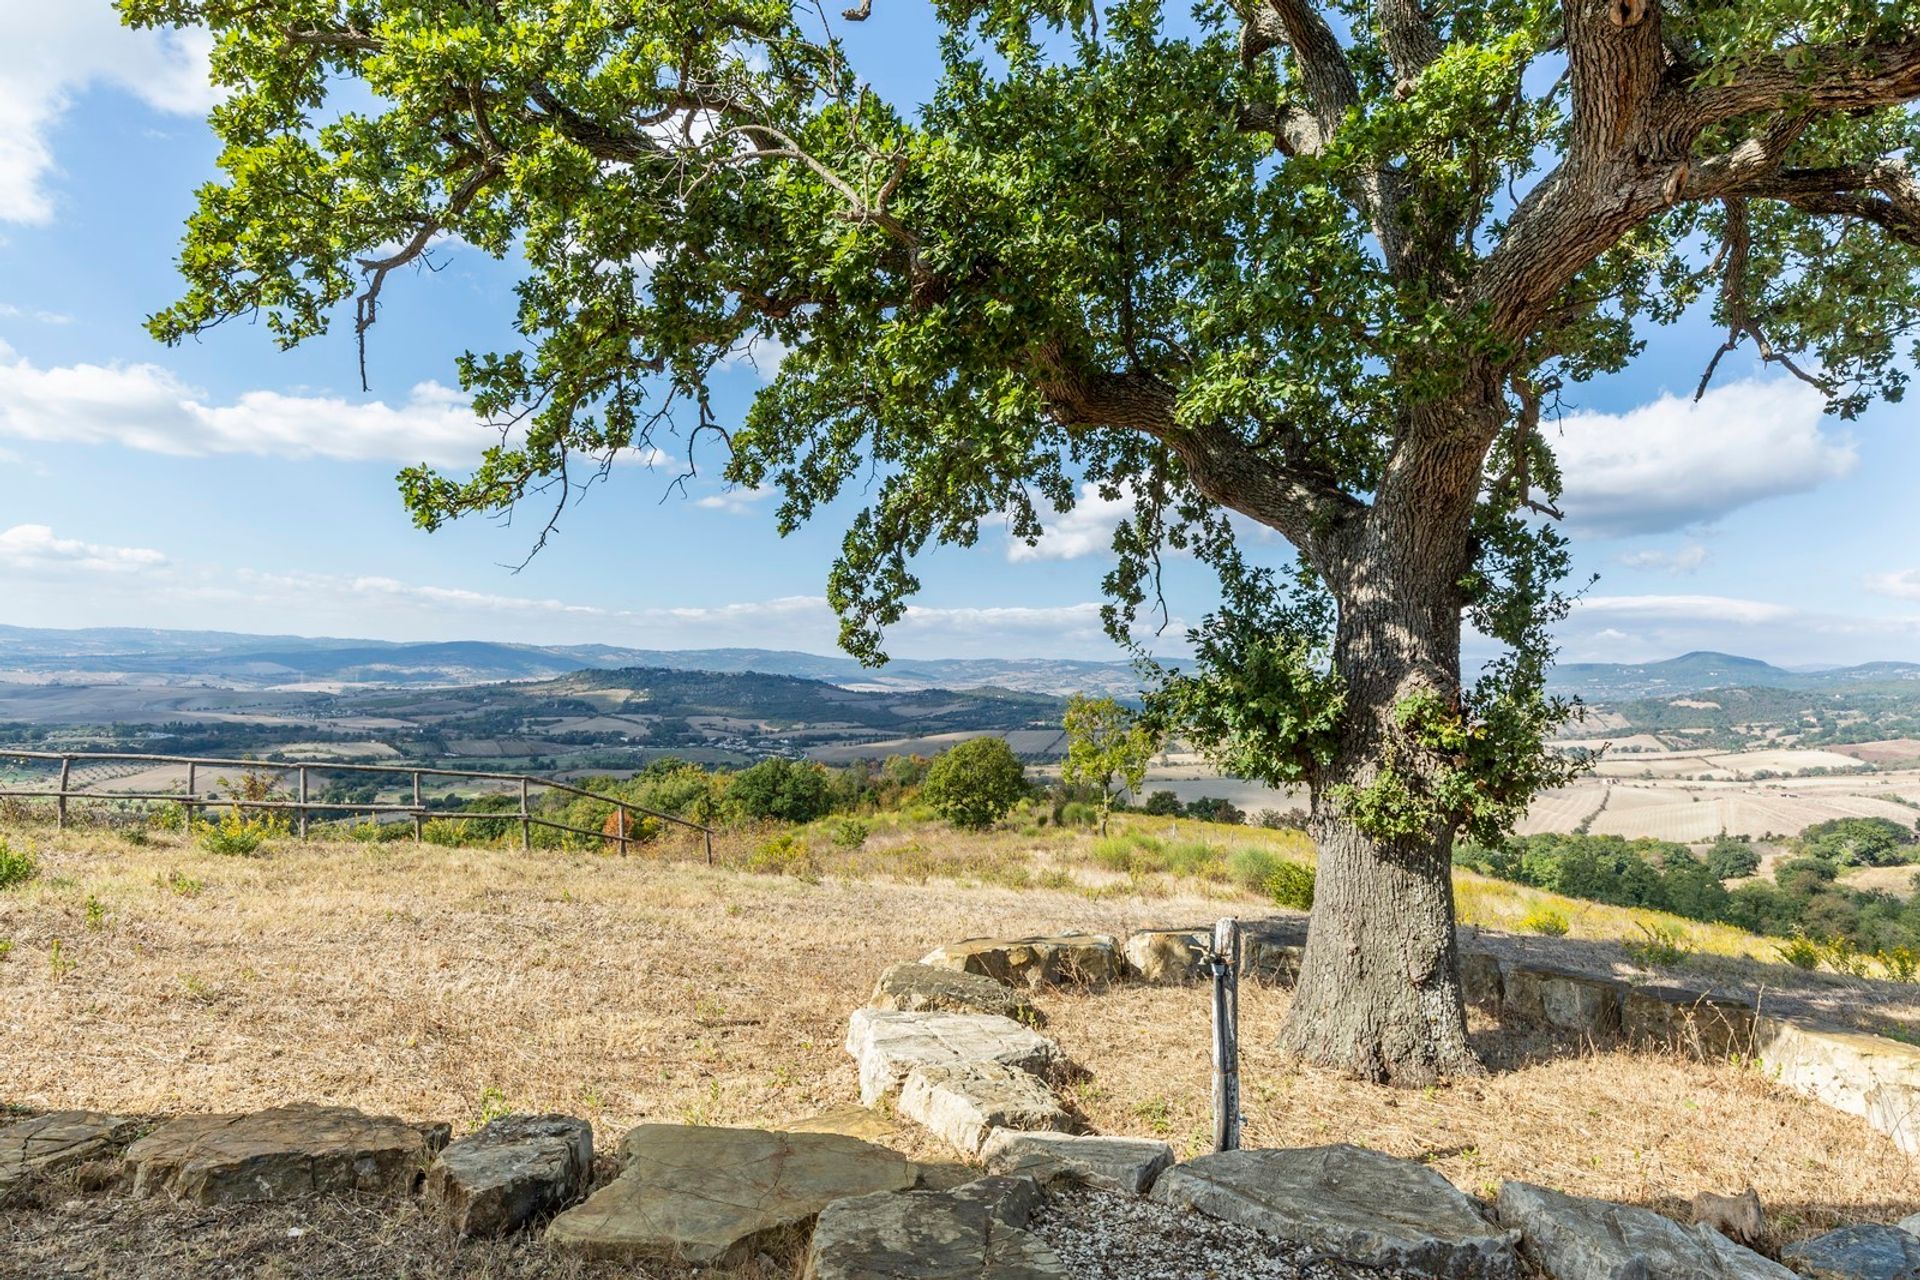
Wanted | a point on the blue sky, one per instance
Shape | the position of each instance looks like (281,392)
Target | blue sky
(227,485)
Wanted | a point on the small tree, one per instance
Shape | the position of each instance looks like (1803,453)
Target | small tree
(974,784)
(1732,859)
(1105,743)
(781,789)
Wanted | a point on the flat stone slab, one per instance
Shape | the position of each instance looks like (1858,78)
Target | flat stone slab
(515,1170)
(1870,1252)
(1351,1203)
(59,1140)
(1574,1238)
(888,1045)
(850,1121)
(279,1154)
(1128,1165)
(963,1102)
(1068,959)
(921,988)
(716,1197)
(975,1232)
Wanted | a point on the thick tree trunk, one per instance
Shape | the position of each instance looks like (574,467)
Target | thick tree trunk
(1379,993)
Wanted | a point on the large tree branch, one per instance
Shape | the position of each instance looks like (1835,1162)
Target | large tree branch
(1814,77)
(1885,194)
(1306,509)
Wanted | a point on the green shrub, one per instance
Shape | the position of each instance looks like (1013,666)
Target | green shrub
(1843,957)
(1078,813)
(1659,946)
(783,855)
(1549,922)
(780,790)
(849,833)
(1194,858)
(236,835)
(16,866)
(167,817)
(1115,853)
(1732,860)
(1901,963)
(1291,885)
(1252,867)
(447,832)
(1162,804)
(1801,952)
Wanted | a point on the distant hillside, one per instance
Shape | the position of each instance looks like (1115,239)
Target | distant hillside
(245,661)
(1702,671)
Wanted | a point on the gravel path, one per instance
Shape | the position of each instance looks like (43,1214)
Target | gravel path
(1100,1235)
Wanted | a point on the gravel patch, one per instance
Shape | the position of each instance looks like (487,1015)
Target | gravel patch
(1102,1235)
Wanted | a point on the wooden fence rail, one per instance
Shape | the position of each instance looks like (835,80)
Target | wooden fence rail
(302,806)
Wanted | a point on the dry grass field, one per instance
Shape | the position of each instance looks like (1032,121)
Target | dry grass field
(452,984)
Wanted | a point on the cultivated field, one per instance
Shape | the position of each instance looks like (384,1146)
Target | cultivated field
(450,984)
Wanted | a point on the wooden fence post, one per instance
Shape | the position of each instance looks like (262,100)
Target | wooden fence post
(526,824)
(707,833)
(60,805)
(193,784)
(303,802)
(418,822)
(1225,966)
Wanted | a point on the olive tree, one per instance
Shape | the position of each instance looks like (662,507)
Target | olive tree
(1319,267)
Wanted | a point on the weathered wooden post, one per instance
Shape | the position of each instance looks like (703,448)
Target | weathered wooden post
(303,802)
(418,822)
(526,819)
(707,834)
(187,810)
(1224,964)
(60,804)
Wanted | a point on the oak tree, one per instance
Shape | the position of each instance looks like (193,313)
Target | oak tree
(1320,266)
(1106,743)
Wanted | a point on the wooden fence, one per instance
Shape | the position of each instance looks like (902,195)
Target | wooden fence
(193,799)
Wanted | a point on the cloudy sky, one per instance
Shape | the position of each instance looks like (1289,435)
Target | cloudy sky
(227,485)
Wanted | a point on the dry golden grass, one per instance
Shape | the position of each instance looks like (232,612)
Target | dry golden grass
(444,984)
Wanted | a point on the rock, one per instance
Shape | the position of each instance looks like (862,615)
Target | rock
(849,1121)
(888,1045)
(1351,1203)
(1868,1252)
(1741,1219)
(1675,1018)
(1167,957)
(1563,1000)
(1480,979)
(1870,1076)
(716,1197)
(278,1154)
(1129,1165)
(511,1172)
(59,1140)
(962,1102)
(920,988)
(1271,950)
(1072,959)
(1574,1238)
(976,1232)
(1910,1224)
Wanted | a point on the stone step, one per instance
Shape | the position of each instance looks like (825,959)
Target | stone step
(964,1102)
(279,1154)
(974,1232)
(1128,1165)
(888,1045)
(512,1172)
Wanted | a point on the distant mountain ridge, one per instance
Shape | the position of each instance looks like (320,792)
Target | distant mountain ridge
(1703,670)
(259,661)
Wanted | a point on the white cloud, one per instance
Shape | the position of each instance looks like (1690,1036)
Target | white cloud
(1903,584)
(56,49)
(11,311)
(1688,607)
(735,501)
(33,549)
(144,406)
(1086,530)
(1686,558)
(1673,463)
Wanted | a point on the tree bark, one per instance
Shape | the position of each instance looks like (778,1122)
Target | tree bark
(1379,994)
